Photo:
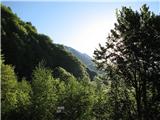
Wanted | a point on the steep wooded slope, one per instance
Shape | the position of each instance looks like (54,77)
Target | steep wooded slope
(24,48)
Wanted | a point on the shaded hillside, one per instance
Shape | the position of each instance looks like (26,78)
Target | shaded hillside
(84,58)
(24,48)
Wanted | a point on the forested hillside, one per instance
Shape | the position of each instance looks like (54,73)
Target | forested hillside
(24,48)
(86,59)
(42,81)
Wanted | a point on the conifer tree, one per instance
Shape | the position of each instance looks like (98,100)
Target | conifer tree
(132,50)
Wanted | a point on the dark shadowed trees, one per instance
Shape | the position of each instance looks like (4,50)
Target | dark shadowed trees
(132,50)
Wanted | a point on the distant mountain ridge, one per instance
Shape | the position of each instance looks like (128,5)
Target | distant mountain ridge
(83,57)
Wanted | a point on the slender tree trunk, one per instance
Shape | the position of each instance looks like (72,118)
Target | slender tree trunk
(145,108)
(138,96)
(144,94)
(138,101)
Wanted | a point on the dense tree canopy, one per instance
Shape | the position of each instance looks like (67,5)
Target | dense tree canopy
(15,96)
(59,87)
(42,99)
(132,51)
(22,44)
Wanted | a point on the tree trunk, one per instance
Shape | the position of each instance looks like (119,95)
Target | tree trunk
(145,108)
(138,101)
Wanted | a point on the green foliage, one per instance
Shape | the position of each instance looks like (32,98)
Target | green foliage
(130,61)
(49,94)
(77,100)
(24,92)
(62,74)
(84,58)
(43,97)
(41,100)
(132,52)
(15,96)
(22,44)
(121,100)
(101,107)
(9,89)
(24,101)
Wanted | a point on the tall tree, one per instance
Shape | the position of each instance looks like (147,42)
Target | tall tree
(132,50)
(43,97)
(15,99)
(9,91)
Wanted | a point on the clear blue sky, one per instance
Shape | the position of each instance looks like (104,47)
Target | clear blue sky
(81,25)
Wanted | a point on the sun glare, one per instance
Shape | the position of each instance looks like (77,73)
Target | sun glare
(91,35)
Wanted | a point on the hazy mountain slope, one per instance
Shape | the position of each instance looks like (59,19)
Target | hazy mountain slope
(84,58)
(24,48)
